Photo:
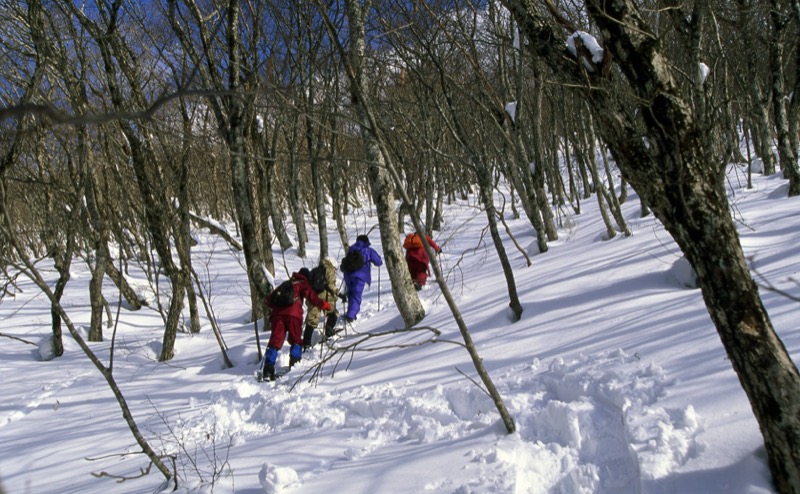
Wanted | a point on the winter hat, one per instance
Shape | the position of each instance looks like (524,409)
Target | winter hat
(363,239)
(305,272)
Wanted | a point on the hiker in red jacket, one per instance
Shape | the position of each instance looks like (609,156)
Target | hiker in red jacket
(417,258)
(287,316)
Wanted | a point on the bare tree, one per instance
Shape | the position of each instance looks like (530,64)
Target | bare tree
(220,45)
(781,17)
(382,186)
(126,82)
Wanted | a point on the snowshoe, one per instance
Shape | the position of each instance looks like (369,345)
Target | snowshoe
(271,376)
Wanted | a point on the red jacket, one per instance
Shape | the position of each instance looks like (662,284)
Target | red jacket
(302,290)
(420,254)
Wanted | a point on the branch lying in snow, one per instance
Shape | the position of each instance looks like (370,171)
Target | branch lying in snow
(143,472)
(18,339)
(338,353)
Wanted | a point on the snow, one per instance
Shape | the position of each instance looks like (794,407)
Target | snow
(704,71)
(615,377)
(511,109)
(591,44)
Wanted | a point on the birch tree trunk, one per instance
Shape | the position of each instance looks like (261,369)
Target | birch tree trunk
(381,186)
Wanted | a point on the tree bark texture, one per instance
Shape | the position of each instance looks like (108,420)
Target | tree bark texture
(786,152)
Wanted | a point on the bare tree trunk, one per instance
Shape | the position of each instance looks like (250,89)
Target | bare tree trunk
(613,201)
(574,194)
(543,206)
(278,224)
(62,259)
(786,152)
(157,209)
(296,200)
(232,115)
(266,148)
(317,185)
(128,293)
(262,203)
(599,188)
(337,191)
(381,185)
(436,224)
(182,229)
(761,133)
(99,232)
(794,104)
(62,265)
(485,185)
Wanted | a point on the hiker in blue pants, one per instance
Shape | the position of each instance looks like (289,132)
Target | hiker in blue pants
(355,279)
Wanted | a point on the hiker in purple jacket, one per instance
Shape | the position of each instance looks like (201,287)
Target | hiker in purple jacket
(355,280)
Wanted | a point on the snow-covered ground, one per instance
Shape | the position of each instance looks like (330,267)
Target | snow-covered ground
(615,376)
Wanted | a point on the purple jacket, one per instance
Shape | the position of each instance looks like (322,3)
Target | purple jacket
(370,257)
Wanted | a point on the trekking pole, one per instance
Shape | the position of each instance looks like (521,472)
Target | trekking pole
(258,340)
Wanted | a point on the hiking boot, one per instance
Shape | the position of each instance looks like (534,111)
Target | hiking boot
(270,357)
(269,372)
(308,334)
(330,325)
(330,320)
(295,355)
(417,286)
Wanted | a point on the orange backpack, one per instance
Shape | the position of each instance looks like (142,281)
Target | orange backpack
(412,241)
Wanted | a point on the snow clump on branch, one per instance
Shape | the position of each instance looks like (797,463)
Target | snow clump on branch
(591,44)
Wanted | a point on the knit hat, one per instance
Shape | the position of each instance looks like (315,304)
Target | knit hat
(305,272)
(363,239)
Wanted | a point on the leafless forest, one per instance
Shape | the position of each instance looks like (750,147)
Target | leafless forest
(124,123)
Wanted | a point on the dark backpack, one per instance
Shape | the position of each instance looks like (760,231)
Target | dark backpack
(284,295)
(317,279)
(353,261)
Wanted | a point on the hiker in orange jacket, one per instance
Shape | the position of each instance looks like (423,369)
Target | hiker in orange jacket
(417,258)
